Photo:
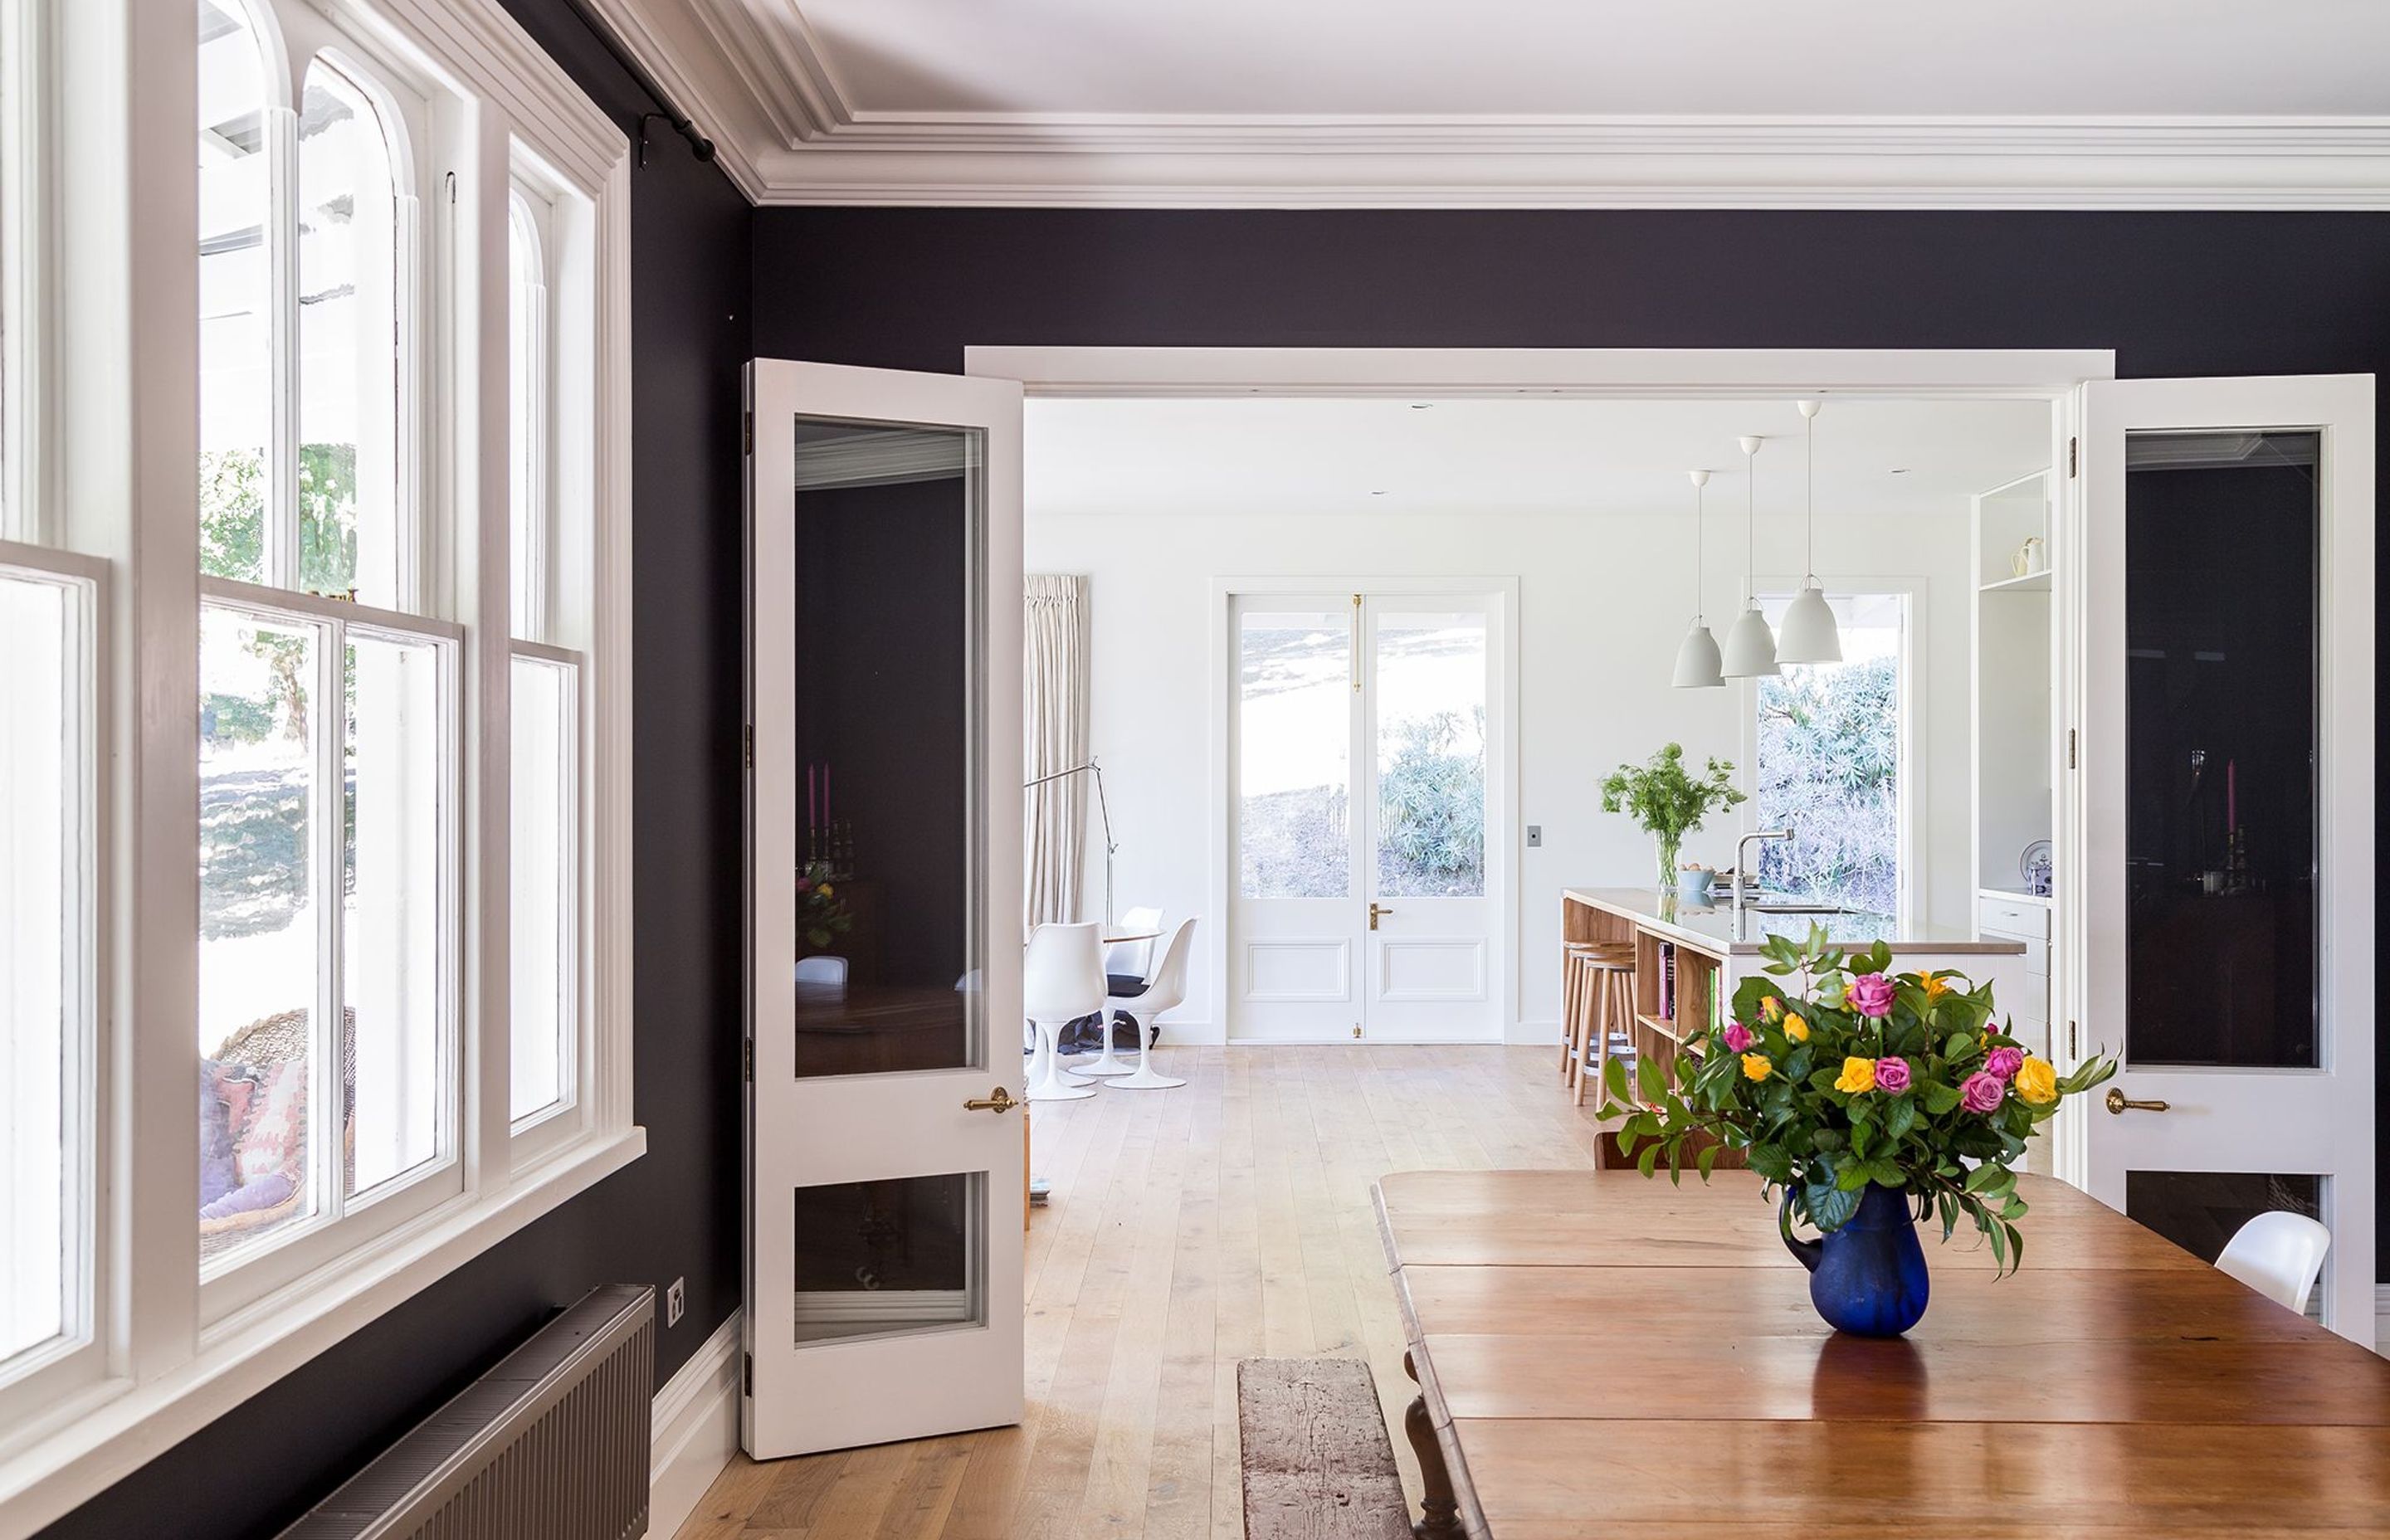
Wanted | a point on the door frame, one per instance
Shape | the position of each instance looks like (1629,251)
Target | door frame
(1501,773)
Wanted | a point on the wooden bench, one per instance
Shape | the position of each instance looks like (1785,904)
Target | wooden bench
(1318,1463)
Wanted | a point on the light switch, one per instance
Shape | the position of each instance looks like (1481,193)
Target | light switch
(1534,836)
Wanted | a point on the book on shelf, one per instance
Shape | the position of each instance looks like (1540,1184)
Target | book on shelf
(1668,981)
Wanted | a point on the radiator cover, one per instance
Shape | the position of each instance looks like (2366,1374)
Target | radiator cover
(553,1444)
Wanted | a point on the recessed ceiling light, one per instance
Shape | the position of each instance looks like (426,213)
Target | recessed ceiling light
(1899,470)
(1421,405)
(1378,494)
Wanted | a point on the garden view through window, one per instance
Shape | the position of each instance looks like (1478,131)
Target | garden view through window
(1829,760)
(1301,705)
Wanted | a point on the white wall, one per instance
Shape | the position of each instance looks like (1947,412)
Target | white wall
(1604,601)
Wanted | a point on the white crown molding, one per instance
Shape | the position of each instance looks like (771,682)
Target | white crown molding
(760,79)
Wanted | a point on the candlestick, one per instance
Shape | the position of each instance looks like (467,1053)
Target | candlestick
(2231,795)
(813,816)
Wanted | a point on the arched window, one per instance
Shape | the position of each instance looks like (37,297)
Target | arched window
(238,386)
(328,723)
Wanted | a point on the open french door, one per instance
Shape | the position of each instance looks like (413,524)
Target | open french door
(2224,809)
(885,1156)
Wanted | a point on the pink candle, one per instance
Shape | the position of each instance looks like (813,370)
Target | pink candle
(825,793)
(813,818)
(2231,796)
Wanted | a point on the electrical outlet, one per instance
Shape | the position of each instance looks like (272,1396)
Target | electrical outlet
(675,1302)
(1534,836)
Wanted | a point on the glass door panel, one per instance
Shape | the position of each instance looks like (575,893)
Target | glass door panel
(887,570)
(2220,614)
(1430,742)
(1294,773)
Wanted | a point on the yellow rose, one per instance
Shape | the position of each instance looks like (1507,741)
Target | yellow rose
(1755,1066)
(1795,1028)
(2036,1081)
(1859,1074)
(1770,1007)
(825,889)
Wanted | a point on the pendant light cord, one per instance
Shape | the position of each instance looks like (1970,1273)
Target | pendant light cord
(1811,540)
(1751,532)
(1697,552)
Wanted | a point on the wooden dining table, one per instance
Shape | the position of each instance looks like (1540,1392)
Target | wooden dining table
(1607,1355)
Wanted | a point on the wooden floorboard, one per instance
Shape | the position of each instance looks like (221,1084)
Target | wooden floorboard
(1188,1229)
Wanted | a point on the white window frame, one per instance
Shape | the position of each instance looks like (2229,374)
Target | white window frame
(1916,900)
(118,431)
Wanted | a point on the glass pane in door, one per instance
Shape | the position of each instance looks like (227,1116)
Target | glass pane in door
(894,1256)
(2200,1210)
(2220,615)
(1294,724)
(1431,748)
(888,534)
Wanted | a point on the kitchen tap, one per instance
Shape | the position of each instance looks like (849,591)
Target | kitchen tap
(1742,866)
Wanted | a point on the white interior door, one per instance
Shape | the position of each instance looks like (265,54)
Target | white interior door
(1368,816)
(884,615)
(1433,860)
(2225,808)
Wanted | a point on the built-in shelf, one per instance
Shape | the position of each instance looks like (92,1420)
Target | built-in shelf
(2032,583)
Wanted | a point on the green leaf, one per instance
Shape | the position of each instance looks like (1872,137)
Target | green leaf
(1830,1207)
(1706,1159)
(1649,1160)
(1614,1079)
(1853,1178)
(1770,1162)
(1899,1118)
(1959,1045)
(1985,1177)
(1886,1173)
(1651,1078)
(1939,1099)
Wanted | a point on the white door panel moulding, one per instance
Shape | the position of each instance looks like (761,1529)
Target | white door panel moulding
(761,83)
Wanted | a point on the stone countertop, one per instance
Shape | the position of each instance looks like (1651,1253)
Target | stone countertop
(1719,931)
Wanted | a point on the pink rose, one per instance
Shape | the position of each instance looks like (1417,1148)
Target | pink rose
(1870,994)
(1892,1076)
(1738,1037)
(1982,1092)
(2004,1062)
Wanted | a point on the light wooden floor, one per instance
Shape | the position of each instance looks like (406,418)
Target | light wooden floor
(1188,1229)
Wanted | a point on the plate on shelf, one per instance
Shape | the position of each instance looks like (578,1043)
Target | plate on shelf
(2034,866)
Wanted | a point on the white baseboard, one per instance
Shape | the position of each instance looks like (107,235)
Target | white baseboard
(1534,1033)
(1191,1035)
(695,1429)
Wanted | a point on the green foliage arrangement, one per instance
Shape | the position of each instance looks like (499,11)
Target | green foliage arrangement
(1668,802)
(1903,1080)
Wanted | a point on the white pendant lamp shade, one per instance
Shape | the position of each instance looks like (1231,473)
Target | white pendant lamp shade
(1697,660)
(1697,657)
(1810,635)
(1750,649)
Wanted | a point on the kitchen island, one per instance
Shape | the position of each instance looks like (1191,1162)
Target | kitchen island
(1689,958)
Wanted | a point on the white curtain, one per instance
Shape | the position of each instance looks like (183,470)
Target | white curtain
(1054,677)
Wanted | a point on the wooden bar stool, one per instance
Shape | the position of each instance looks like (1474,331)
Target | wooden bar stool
(1604,1002)
(1571,956)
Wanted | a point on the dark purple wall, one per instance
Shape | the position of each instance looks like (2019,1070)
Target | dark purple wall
(2172,293)
(676,1213)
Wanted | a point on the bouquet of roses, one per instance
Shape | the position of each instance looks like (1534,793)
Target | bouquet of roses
(1861,1076)
(821,913)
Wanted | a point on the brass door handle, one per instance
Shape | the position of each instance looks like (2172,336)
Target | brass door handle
(997,1100)
(2116,1101)
(1375,910)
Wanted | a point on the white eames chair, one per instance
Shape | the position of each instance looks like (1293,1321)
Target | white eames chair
(1122,960)
(1166,988)
(2279,1255)
(1061,979)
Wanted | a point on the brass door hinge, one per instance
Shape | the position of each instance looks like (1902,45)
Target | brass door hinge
(2073,1050)
(747,433)
(2070,747)
(1356,1029)
(747,1374)
(2074,459)
(747,744)
(747,1061)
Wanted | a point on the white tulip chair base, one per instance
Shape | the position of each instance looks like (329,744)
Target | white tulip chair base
(1107,1062)
(1048,1080)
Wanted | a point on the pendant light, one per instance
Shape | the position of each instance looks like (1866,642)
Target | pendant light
(1809,634)
(1697,659)
(1750,649)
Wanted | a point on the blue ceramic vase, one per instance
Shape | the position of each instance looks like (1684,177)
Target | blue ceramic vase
(1868,1278)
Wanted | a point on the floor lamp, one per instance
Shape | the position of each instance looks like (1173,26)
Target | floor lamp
(1111,847)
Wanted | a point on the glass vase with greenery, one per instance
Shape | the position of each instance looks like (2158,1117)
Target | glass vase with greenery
(1669,802)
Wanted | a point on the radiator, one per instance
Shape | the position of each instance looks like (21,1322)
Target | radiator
(551,1445)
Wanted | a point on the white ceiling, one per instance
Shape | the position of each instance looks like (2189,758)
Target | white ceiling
(1413,59)
(1297,456)
(2143,103)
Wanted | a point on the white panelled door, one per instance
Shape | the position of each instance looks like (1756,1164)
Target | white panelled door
(1368,816)
(2222,904)
(885,1155)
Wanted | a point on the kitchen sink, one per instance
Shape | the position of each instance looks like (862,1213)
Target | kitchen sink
(1793,906)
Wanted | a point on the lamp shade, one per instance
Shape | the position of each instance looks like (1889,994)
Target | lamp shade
(1697,660)
(1809,634)
(1750,649)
